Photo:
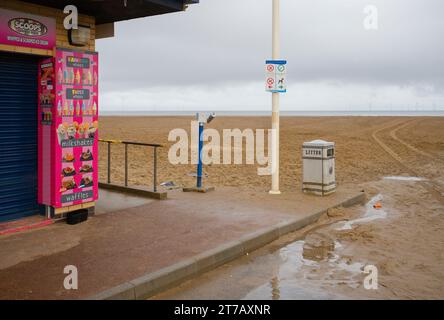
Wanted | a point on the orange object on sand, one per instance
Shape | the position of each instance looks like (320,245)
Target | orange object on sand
(377,205)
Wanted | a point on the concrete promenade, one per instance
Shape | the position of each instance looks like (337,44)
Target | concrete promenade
(134,248)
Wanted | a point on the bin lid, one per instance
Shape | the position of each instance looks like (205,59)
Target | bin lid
(319,143)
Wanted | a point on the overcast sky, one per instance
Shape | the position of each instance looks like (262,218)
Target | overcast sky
(212,57)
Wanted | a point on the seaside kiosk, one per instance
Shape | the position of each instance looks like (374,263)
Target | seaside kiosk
(49,101)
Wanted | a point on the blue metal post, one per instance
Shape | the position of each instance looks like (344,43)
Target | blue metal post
(199,165)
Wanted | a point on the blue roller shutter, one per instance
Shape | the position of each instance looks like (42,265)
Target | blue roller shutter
(18,136)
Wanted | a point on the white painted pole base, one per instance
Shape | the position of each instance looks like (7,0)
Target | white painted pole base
(275,145)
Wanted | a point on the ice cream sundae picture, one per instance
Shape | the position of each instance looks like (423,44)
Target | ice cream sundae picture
(92,132)
(61,133)
(81,130)
(71,131)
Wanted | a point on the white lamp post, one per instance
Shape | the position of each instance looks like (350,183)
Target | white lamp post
(275,102)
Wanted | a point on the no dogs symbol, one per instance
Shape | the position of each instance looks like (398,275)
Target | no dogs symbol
(270,82)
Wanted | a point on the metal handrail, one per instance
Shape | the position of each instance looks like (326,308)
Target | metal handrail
(127,143)
(133,143)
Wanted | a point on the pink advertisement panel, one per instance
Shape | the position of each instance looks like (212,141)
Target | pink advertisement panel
(73,140)
(27,30)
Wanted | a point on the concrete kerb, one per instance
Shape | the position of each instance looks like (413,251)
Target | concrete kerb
(125,291)
(259,238)
(168,277)
(153,283)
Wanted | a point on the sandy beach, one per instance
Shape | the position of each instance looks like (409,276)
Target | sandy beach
(360,157)
(406,244)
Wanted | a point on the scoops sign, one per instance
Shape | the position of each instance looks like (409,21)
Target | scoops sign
(275,80)
(27,30)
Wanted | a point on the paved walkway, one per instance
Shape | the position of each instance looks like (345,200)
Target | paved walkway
(113,248)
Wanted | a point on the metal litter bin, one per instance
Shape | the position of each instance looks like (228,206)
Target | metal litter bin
(318,157)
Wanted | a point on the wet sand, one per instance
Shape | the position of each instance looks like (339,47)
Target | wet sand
(325,262)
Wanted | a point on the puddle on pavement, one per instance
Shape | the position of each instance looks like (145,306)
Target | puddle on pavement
(306,267)
(371,214)
(299,273)
(318,247)
(403,178)
(290,281)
